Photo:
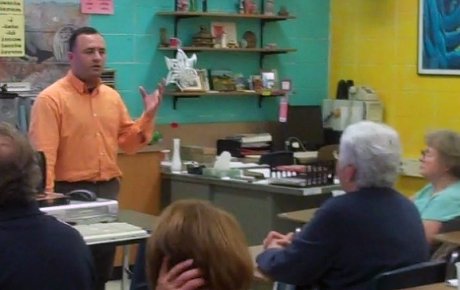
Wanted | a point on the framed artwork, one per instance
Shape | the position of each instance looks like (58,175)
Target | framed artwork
(270,79)
(227,30)
(439,37)
(203,74)
(286,85)
(189,80)
(223,80)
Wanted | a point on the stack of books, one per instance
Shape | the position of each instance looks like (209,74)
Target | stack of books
(253,144)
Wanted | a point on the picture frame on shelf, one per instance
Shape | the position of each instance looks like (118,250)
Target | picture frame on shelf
(223,80)
(270,79)
(224,33)
(204,79)
(190,81)
(286,85)
(256,83)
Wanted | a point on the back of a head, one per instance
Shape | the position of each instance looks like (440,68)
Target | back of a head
(20,173)
(192,229)
(374,150)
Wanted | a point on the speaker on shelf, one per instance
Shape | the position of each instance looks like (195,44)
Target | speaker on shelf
(9,108)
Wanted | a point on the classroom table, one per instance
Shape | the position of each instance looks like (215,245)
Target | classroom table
(302,216)
(255,205)
(449,237)
(254,251)
(436,286)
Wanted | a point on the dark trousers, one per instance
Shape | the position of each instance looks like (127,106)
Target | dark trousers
(102,255)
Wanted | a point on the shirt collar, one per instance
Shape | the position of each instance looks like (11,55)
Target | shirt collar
(81,86)
(19,211)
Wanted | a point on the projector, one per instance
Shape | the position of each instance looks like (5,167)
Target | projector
(85,212)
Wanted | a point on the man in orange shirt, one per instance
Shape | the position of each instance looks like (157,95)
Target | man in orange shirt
(79,124)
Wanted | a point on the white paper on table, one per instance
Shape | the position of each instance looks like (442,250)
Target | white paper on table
(452,282)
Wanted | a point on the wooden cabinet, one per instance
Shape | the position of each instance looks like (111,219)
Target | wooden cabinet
(141,182)
(140,188)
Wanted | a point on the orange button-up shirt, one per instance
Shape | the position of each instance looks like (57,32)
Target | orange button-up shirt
(80,132)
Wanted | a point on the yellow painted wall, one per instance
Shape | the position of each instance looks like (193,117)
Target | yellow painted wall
(375,43)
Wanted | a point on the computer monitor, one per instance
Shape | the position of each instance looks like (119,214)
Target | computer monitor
(306,124)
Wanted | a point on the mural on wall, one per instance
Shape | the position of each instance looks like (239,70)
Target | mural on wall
(439,37)
(48,27)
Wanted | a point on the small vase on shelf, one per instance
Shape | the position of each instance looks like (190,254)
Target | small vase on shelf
(176,163)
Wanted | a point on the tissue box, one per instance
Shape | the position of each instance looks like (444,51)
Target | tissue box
(199,154)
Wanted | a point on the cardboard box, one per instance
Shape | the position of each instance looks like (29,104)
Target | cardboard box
(200,154)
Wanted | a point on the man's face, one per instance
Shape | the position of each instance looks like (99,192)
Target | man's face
(88,57)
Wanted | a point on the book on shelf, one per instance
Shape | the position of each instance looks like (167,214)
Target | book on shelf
(252,138)
(247,151)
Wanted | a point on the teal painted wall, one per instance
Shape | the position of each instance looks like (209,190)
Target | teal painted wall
(132,35)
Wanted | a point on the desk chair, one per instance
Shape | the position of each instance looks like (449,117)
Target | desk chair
(443,251)
(41,161)
(277,158)
(411,276)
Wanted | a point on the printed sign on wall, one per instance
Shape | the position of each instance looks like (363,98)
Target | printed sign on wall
(11,28)
(96,6)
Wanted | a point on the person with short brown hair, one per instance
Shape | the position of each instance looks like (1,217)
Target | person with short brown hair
(195,234)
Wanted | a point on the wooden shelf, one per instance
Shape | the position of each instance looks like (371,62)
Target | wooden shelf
(186,14)
(197,94)
(258,50)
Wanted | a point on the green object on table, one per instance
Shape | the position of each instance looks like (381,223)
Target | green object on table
(156,137)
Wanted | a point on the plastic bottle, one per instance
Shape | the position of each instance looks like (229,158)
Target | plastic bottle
(176,163)
(451,269)
(283,112)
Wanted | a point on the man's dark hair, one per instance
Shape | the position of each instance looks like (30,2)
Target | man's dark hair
(80,31)
(19,170)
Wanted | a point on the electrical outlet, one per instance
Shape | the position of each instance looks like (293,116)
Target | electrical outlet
(410,167)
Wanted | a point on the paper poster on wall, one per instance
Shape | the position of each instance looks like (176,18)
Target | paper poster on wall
(96,6)
(12,35)
(11,7)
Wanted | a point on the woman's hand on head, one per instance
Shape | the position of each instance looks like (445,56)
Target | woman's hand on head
(180,277)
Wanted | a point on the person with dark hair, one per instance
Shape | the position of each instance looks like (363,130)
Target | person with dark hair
(36,250)
(79,123)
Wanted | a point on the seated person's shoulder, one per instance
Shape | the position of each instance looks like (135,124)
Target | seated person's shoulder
(62,229)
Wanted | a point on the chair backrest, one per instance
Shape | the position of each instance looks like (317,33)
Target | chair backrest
(450,225)
(277,158)
(443,251)
(411,276)
(41,161)
(328,152)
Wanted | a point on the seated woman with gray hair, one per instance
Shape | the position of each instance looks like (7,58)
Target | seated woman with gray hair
(439,201)
(353,237)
